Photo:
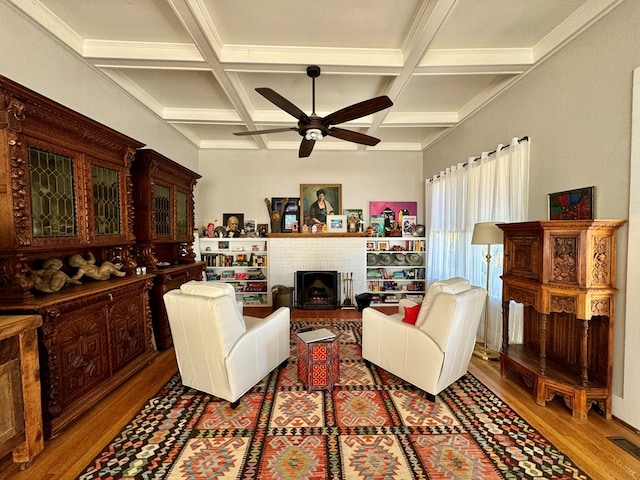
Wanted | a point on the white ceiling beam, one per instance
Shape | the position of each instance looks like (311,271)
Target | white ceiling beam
(425,28)
(194,17)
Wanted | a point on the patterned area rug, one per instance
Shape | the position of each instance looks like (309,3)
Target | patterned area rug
(372,426)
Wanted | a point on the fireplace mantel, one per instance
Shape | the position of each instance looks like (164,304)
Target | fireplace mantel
(316,235)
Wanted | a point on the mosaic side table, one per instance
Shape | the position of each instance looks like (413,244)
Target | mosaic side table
(319,363)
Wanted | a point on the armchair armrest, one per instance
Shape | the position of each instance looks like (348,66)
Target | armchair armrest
(401,348)
(261,348)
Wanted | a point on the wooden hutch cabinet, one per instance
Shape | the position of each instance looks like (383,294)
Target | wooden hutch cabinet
(66,189)
(564,274)
(163,197)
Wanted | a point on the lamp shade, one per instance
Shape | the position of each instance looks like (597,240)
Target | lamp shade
(486,233)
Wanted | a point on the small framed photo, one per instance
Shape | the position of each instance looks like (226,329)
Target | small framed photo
(371,246)
(290,212)
(233,223)
(250,227)
(355,220)
(383,245)
(262,229)
(572,204)
(408,224)
(337,223)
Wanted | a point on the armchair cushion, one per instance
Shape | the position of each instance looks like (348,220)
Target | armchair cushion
(453,286)
(208,289)
(411,314)
(211,289)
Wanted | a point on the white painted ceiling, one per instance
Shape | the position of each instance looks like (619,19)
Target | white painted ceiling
(196,63)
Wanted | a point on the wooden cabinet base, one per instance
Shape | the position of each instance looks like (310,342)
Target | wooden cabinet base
(93,337)
(579,400)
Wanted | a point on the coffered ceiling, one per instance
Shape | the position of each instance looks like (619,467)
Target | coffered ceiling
(196,63)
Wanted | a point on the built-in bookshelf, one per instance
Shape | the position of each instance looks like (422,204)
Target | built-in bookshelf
(241,262)
(395,269)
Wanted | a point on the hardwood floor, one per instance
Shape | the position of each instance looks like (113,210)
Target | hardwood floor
(584,441)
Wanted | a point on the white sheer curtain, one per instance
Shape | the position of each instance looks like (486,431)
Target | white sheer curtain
(491,188)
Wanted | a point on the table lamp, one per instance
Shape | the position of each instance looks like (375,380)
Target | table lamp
(486,233)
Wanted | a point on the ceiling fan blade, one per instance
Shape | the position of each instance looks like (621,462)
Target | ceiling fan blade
(306,146)
(262,132)
(281,102)
(352,136)
(357,110)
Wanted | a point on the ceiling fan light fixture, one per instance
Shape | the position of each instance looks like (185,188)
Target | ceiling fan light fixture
(313,134)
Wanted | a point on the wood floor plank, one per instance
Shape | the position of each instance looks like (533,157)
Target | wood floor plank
(584,441)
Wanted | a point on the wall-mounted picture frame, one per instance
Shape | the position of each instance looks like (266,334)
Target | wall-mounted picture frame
(576,204)
(233,223)
(408,224)
(355,222)
(383,246)
(390,213)
(319,200)
(262,229)
(291,213)
(250,226)
(337,223)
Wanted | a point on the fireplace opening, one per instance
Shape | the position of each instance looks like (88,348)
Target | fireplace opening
(317,290)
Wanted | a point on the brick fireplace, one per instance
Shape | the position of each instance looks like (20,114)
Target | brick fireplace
(290,253)
(317,290)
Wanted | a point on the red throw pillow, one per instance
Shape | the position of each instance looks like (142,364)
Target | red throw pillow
(411,314)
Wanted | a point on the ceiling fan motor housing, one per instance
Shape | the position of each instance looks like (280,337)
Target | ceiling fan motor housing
(315,123)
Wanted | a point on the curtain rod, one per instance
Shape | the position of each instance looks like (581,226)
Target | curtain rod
(475,159)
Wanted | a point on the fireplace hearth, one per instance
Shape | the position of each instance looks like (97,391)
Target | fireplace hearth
(317,290)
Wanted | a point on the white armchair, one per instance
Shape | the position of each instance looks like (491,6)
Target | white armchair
(220,351)
(436,351)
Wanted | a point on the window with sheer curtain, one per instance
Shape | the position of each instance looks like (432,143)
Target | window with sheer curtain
(492,187)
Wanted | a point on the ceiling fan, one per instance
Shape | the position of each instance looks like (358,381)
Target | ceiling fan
(313,127)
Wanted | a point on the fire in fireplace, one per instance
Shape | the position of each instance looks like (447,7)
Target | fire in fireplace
(317,289)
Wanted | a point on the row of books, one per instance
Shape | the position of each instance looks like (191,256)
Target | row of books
(398,245)
(238,260)
(253,287)
(407,274)
(250,275)
(388,286)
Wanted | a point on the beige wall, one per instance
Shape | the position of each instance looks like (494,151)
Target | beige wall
(238,181)
(576,109)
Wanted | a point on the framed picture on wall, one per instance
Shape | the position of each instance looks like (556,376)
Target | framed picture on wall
(319,200)
(572,204)
(337,223)
(291,213)
(390,212)
(233,223)
(354,219)
(250,226)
